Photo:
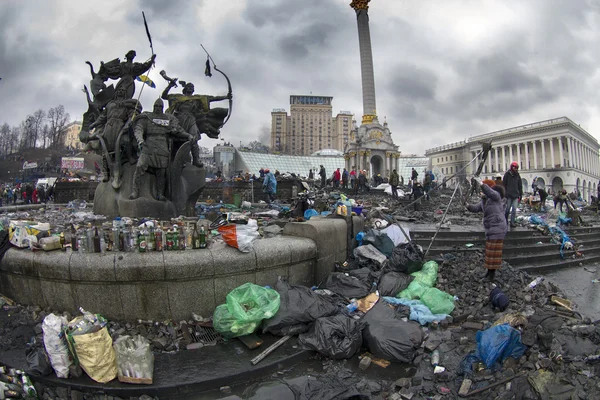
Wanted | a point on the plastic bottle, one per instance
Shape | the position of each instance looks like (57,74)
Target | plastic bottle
(535,282)
(352,307)
(435,358)
(151,239)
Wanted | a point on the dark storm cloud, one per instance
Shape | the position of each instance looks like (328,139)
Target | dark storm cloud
(435,79)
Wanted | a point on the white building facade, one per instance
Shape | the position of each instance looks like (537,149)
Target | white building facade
(558,152)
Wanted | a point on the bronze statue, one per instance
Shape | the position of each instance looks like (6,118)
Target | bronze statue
(150,131)
(127,71)
(115,118)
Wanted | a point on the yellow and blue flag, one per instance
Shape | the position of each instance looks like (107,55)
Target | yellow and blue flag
(146,80)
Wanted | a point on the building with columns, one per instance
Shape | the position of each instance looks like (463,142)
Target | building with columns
(371,147)
(558,152)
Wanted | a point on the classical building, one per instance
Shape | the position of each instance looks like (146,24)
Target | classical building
(371,147)
(72,136)
(558,152)
(309,127)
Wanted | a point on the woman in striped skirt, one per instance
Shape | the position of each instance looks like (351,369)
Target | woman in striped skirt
(493,206)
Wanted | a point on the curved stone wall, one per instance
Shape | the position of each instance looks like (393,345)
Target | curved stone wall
(174,284)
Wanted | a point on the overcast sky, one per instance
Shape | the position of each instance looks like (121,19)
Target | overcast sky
(444,69)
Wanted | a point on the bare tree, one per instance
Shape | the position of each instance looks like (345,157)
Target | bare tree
(26,129)
(255,145)
(37,121)
(4,138)
(58,120)
(15,137)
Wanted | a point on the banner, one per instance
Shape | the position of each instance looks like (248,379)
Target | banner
(74,163)
(29,165)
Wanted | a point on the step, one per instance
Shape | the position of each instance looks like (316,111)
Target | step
(548,256)
(567,263)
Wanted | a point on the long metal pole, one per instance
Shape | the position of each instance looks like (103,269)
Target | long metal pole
(269,350)
(442,221)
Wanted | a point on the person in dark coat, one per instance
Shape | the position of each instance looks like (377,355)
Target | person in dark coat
(323,176)
(513,187)
(413,175)
(417,193)
(495,225)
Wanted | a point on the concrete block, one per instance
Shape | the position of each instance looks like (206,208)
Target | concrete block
(325,266)
(96,297)
(302,273)
(136,267)
(272,252)
(225,284)
(303,249)
(58,295)
(194,296)
(52,264)
(228,260)
(269,276)
(16,261)
(329,234)
(92,267)
(188,264)
(145,300)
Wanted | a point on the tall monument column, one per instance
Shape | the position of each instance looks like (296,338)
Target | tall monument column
(366,60)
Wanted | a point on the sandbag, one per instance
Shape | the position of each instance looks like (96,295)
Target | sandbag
(414,291)
(56,344)
(406,257)
(347,286)
(437,301)
(337,337)
(393,283)
(428,274)
(369,254)
(246,306)
(388,337)
(380,240)
(96,355)
(298,307)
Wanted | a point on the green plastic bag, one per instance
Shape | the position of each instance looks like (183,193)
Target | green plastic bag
(414,291)
(428,274)
(437,301)
(246,306)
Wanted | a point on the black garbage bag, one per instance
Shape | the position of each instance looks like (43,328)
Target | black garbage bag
(366,275)
(298,307)
(407,258)
(393,283)
(38,362)
(337,337)
(390,338)
(380,240)
(347,286)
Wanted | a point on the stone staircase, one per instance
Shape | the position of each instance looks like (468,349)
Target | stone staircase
(524,248)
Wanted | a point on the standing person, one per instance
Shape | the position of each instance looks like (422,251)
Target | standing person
(270,186)
(427,185)
(34,196)
(311,175)
(262,173)
(28,194)
(401,181)
(362,181)
(561,198)
(345,178)
(353,179)
(513,187)
(323,175)
(394,181)
(492,206)
(337,176)
(9,196)
(417,193)
(413,174)
(598,190)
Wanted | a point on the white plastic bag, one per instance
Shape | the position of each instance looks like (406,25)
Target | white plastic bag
(240,236)
(135,360)
(56,345)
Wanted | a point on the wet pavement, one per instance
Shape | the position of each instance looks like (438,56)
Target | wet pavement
(577,285)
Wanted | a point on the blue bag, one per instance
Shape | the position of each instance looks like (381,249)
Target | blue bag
(498,343)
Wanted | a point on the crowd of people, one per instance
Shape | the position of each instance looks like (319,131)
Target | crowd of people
(26,194)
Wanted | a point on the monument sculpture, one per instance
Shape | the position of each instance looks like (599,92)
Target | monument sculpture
(371,147)
(146,155)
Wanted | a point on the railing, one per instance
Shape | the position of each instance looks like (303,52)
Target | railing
(446,147)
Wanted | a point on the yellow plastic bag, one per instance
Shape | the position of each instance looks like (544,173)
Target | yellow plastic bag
(96,355)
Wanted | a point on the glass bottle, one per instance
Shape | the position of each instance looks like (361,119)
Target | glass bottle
(142,243)
(151,239)
(169,240)
(195,238)
(96,240)
(202,237)
(175,238)
(158,239)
